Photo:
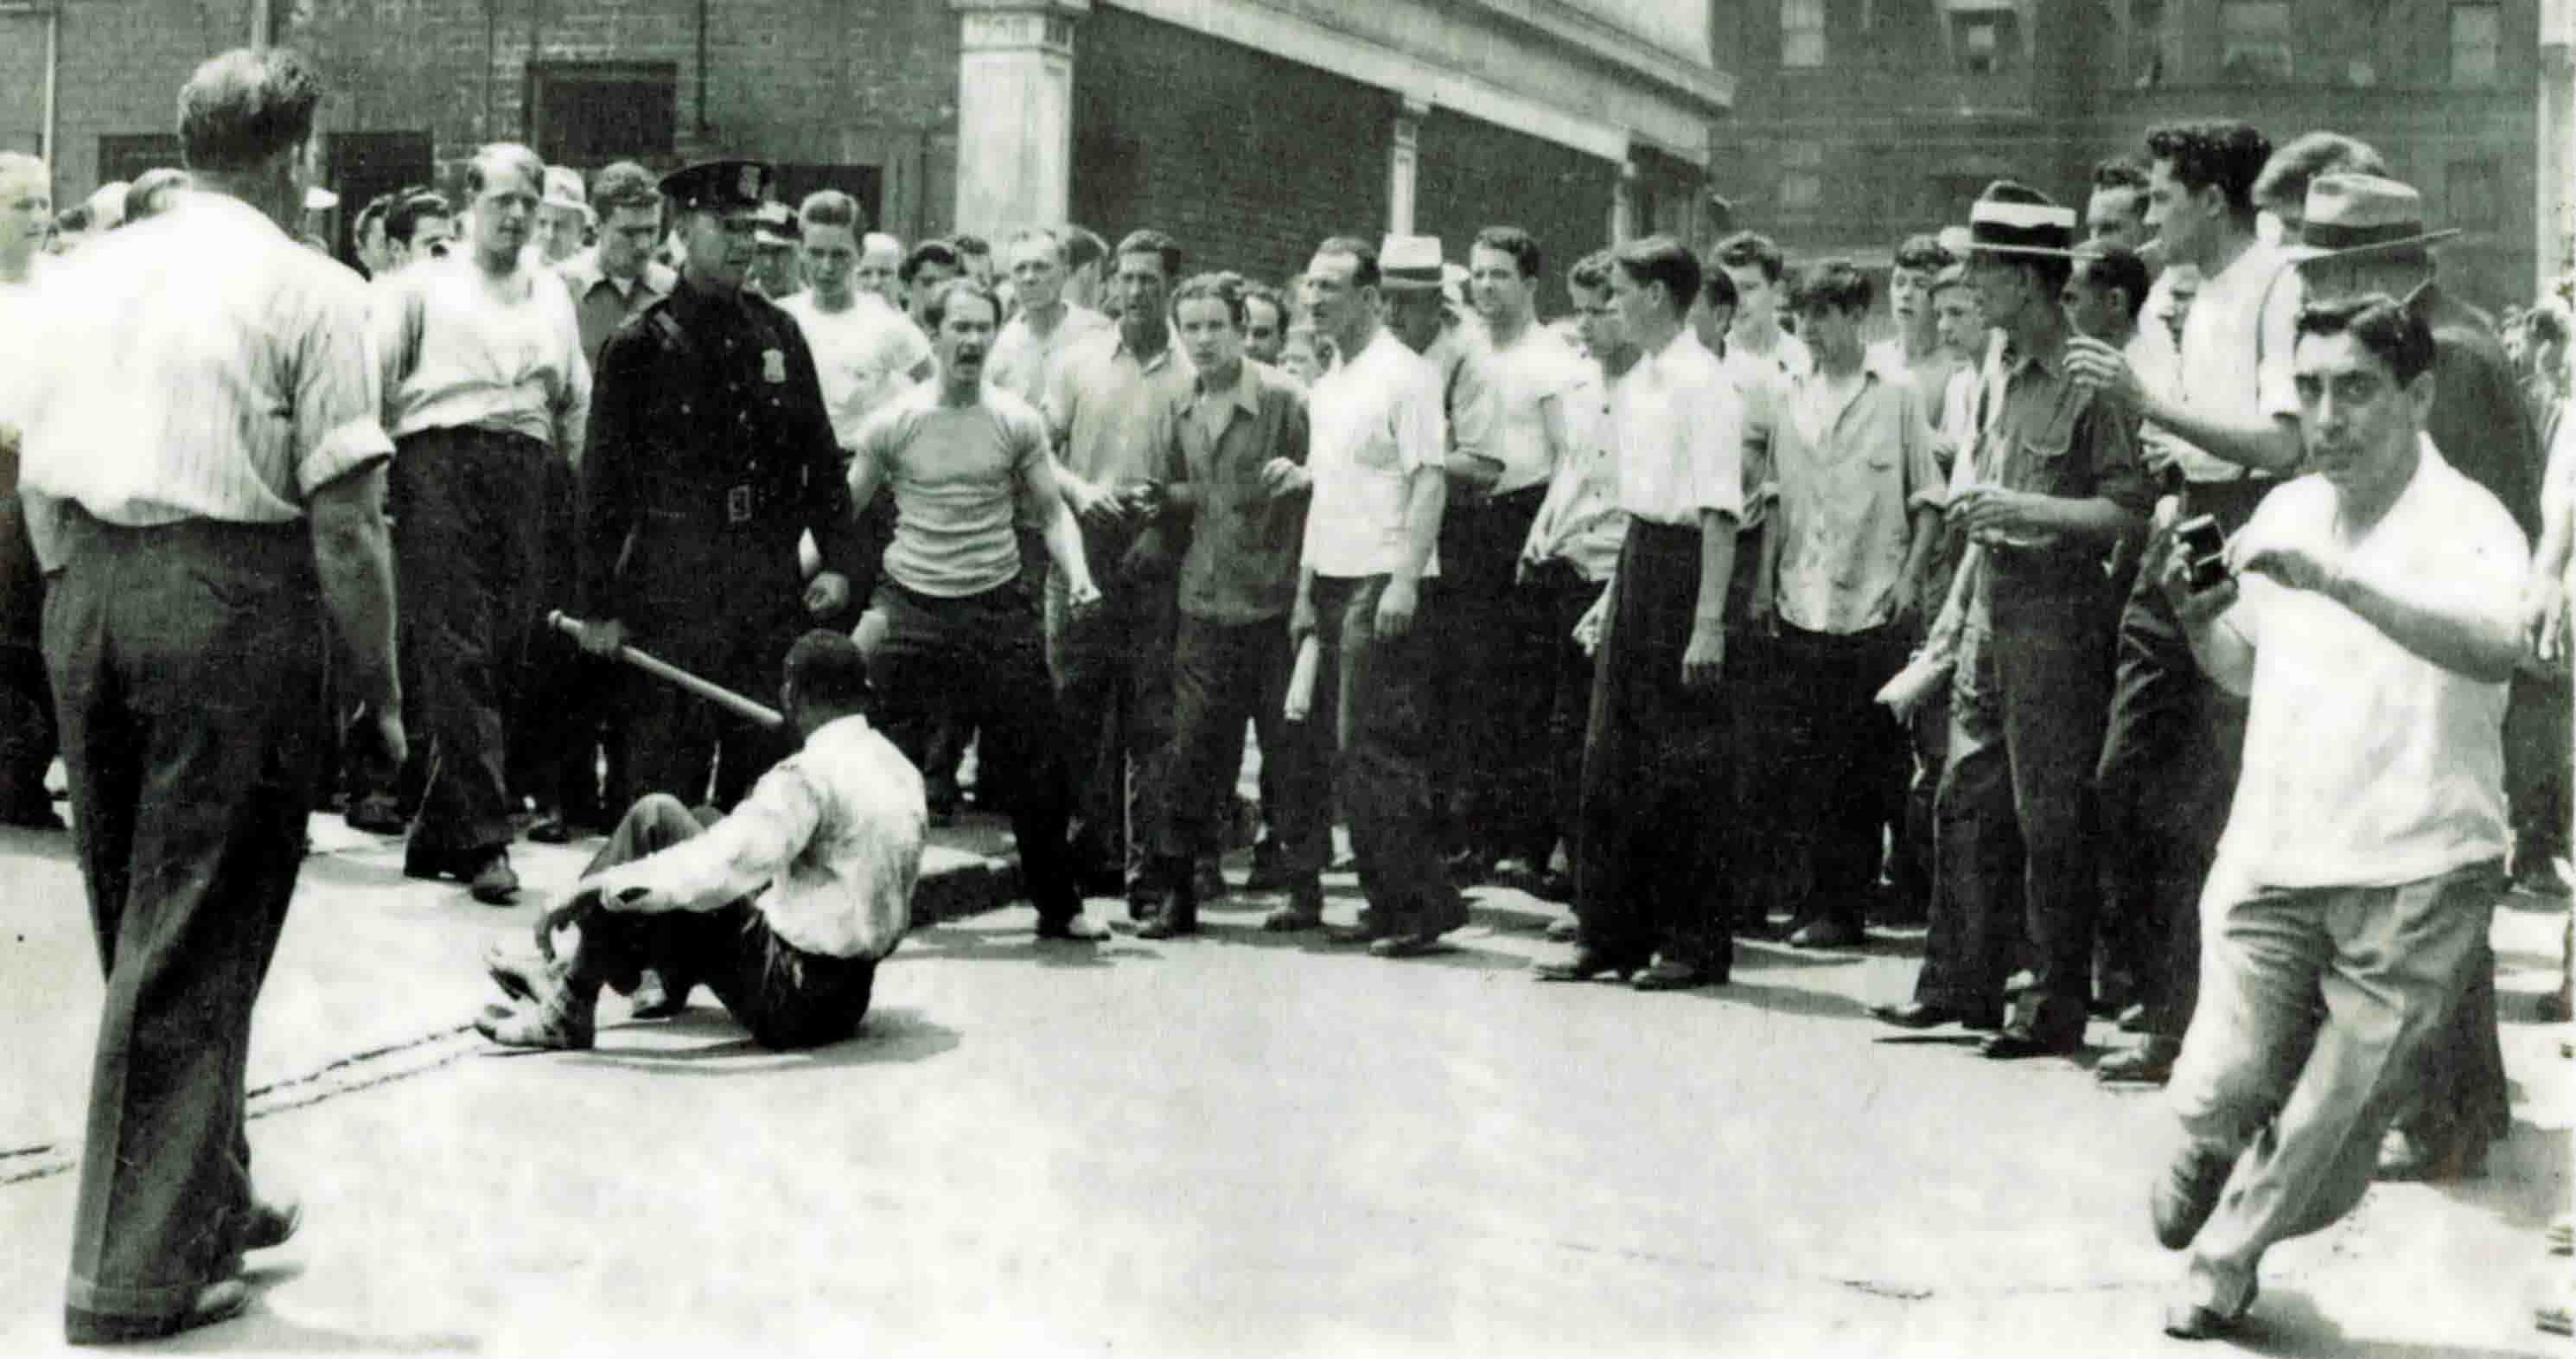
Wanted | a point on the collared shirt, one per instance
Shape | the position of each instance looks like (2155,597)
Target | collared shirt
(1580,521)
(602,304)
(827,848)
(1375,420)
(2367,765)
(1023,364)
(1111,410)
(1854,463)
(456,356)
(199,365)
(1530,372)
(1678,423)
(864,355)
(1242,562)
(2045,434)
(960,477)
(2234,362)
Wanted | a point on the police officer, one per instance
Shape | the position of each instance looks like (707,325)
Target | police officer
(710,451)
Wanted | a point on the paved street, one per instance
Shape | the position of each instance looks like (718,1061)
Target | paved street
(1234,1144)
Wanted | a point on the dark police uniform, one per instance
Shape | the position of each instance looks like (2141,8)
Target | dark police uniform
(710,452)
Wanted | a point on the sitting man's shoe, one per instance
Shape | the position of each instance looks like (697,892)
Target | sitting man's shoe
(2149,1063)
(1585,966)
(1826,933)
(2186,1319)
(219,1301)
(2018,1041)
(657,996)
(1919,1014)
(1079,929)
(2430,1158)
(269,1225)
(1672,974)
(550,1024)
(493,882)
(2187,1193)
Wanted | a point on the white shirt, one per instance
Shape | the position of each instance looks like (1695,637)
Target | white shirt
(1580,520)
(2234,363)
(458,356)
(199,365)
(1762,392)
(1373,420)
(1678,423)
(864,353)
(827,848)
(1024,365)
(2365,764)
(1533,370)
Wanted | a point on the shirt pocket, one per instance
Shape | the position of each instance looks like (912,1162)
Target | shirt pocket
(2043,461)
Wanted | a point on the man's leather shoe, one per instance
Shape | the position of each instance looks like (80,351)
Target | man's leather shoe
(1823,933)
(1178,911)
(2149,1063)
(1414,945)
(1304,911)
(219,1301)
(2192,1321)
(1918,1014)
(2019,1041)
(377,814)
(1585,966)
(269,1225)
(1671,974)
(2187,1194)
(1079,929)
(1371,926)
(494,884)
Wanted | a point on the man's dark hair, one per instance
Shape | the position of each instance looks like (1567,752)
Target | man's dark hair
(1749,248)
(1082,247)
(2120,172)
(828,671)
(1364,276)
(1717,290)
(1519,244)
(2297,164)
(1148,241)
(1923,253)
(2547,324)
(373,212)
(1831,285)
(2116,266)
(246,106)
(1661,259)
(929,253)
(1225,288)
(2227,156)
(934,313)
(1264,293)
(623,184)
(968,244)
(2384,326)
(1592,272)
(404,217)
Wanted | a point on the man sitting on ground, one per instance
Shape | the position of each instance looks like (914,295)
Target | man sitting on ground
(782,908)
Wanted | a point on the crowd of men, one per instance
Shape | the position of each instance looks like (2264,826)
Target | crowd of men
(2146,614)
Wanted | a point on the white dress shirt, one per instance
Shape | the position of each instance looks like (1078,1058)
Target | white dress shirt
(1374,419)
(1678,423)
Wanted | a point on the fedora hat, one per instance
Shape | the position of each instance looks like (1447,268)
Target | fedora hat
(2013,219)
(1407,264)
(2354,214)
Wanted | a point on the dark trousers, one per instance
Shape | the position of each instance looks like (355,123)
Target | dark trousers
(469,518)
(786,997)
(187,659)
(1763,702)
(1563,596)
(1843,764)
(2039,734)
(27,735)
(559,713)
(979,659)
(1381,692)
(2171,751)
(2537,761)
(1223,675)
(1492,695)
(1651,863)
(1113,687)
(725,607)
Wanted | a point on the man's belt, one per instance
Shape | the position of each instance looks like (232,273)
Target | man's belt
(737,505)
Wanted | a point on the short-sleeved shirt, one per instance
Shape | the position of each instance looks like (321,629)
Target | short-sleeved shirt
(1528,373)
(1853,466)
(2237,344)
(1678,423)
(1242,561)
(1374,420)
(1111,409)
(2043,433)
(1762,389)
(2367,765)
(959,476)
(1023,364)
(1581,522)
(864,355)
(1471,404)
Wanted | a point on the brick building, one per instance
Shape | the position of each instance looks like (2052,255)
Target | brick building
(1249,128)
(1859,121)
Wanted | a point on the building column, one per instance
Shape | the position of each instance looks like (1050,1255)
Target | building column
(1401,163)
(1015,112)
(1623,204)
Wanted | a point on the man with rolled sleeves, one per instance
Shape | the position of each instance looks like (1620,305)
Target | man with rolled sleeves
(710,452)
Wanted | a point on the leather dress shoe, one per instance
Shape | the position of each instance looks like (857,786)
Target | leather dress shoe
(1079,929)
(1822,933)
(219,1301)
(1919,1014)
(2193,1321)
(1585,966)
(377,814)
(1672,974)
(1372,925)
(1304,911)
(2187,1194)
(1415,945)
(2149,1063)
(493,882)
(2019,1041)
(1177,913)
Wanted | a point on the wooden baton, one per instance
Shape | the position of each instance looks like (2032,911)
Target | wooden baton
(663,670)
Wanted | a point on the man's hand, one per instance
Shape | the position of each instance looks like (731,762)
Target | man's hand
(1991,512)
(1301,619)
(569,913)
(2105,372)
(2198,609)
(1395,607)
(608,636)
(1091,504)
(1587,629)
(827,594)
(2295,567)
(1281,478)
(1706,656)
(1082,597)
(1904,598)
(2544,618)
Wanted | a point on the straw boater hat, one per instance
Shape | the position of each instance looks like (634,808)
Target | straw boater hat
(1409,264)
(2013,219)
(563,189)
(2357,214)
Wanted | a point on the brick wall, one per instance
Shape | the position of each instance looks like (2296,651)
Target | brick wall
(1473,175)
(123,62)
(1246,159)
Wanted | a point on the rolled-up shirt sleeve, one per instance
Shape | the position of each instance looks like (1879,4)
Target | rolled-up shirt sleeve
(734,859)
(1925,485)
(1420,430)
(1713,451)
(339,405)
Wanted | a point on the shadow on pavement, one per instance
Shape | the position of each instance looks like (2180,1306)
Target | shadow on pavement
(2287,1322)
(885,1036)
(2527,1156)
(261,1331)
